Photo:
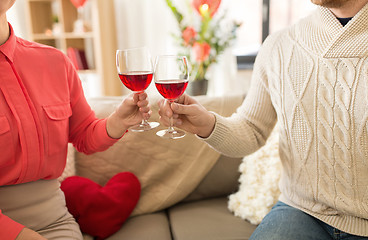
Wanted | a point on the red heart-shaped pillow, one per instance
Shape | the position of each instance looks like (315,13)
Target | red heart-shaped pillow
(101,211)
(78,3)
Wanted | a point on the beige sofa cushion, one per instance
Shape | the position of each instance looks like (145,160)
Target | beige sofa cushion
(149,226)
(221,180)
(207,220)
(168,170)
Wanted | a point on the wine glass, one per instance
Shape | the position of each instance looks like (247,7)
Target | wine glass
(135,72)
(171,80)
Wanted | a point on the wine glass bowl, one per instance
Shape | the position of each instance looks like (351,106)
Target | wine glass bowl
(171,79)
(136,81)
(135,71)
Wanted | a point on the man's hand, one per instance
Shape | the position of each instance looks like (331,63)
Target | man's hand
(188,115)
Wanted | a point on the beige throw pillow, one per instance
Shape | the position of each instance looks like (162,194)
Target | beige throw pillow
(168,170)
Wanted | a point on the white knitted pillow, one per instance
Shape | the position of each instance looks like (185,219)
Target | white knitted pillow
(258,190)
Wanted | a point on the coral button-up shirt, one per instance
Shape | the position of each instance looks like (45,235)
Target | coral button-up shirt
(42,108)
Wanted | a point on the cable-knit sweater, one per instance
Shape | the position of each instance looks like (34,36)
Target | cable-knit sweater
(311,78)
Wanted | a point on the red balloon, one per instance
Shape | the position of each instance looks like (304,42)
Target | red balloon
(78,3)
(213,5)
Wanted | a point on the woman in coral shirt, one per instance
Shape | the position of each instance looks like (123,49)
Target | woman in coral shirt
(42,108)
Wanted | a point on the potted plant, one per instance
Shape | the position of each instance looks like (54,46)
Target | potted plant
(202,39)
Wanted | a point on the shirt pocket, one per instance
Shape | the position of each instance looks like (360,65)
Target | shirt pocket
(7,156)
(57,127)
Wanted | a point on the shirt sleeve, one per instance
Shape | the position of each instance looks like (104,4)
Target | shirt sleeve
(87,133)
(248,128)
(9,229)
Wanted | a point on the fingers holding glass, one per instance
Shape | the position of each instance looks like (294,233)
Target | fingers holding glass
(135,71)
(171,80)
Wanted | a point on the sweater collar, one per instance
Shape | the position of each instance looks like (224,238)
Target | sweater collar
(349,41)
(9,46)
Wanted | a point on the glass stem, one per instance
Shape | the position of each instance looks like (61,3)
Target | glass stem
(171,128)
(171,122)
(144,122)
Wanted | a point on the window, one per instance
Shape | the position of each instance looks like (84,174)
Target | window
(261,18)
(250,33)
(284,13)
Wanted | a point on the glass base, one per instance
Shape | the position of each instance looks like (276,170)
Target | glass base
(171,134)
(144,127)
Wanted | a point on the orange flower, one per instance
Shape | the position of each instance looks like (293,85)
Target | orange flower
(188,35)
(201,51)
(213,6)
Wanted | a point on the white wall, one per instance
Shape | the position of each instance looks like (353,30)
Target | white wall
(17,18)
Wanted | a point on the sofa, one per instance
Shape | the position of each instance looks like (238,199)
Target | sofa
(185,184)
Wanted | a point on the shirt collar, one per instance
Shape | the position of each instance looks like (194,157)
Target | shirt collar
(349,41)
(9,46)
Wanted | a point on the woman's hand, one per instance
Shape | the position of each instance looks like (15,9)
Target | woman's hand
(132,110)
(28,234)
(188,115)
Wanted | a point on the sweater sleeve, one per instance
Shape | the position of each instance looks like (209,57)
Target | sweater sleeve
(9,229)
(248,128)
(87,133)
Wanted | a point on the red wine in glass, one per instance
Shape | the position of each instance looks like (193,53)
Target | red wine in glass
(135,70)
(171,90)
(137,81)
(171,80)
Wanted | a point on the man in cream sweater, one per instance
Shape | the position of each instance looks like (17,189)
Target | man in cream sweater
(311,78)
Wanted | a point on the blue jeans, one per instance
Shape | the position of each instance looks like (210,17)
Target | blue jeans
(287,223)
